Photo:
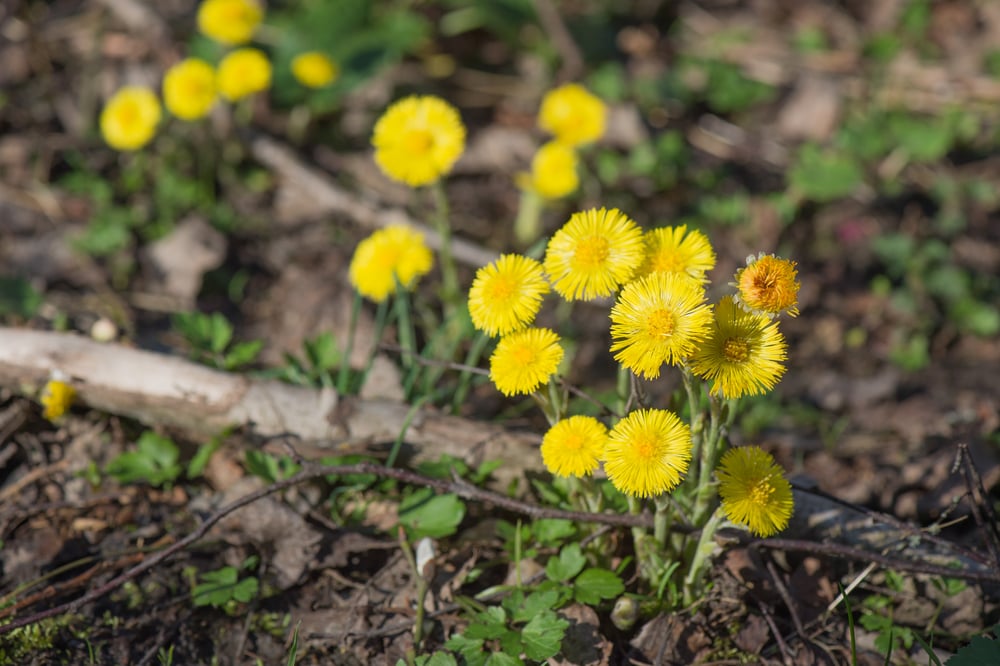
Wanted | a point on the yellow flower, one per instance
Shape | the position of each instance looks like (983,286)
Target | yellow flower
(129,119)
(506,295)
(574,446)
(767,285)
(593,254)
(229,22)
(56,398)
(418,139)
(658,319)
(243,72)
(553,171)
(396,253)
(647,452)
(189,89)
(524,360)
(743,353)
(314,69)
(754,490)
(573,115)
(677,250)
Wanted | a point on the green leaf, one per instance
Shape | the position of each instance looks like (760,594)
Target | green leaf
(242,353)
(221,333)
(202,456)
(542,636)
(263,465)
(322,351)
(979,651)
(535,603)
(595,584)
(18,297)
(219,587)
(551,531)
(154,461)
(441,659)
(471,649)
(488,625)
(425,514)
(503,659)
(569,563)
(824,176)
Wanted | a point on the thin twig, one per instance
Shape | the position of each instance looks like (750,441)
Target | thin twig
(552,23)
(975,484)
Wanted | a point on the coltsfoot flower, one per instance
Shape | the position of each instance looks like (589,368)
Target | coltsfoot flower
(648,452)
(229,22)
(395,253)
(56,398)
(524,360)
(242,73)
(593,254)
(677,250)
(768,285)
(129,119)
(189,89)
(743,353)
(553,171)
(573,114)
(754,490)
(418,140)
(314,69)
(574,446)
(658,319)
(505,295)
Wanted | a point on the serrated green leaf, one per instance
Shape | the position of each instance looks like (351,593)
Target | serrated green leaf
(542,636)
(569,563)
(263,465)
(242,353)
(221,333)
(593,585)
(979,651)
(551,531)
(503,659)
(441,659)
(425,514)
(535,603)
(202,456)
(471,649)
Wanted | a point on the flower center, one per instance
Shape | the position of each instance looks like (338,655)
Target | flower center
(668,262)
(573,443)
(645,448)
(501,289)
(761,492)
(661,323)
(592,252)
(418,141)
(129,114)
(736,350)
(523,356)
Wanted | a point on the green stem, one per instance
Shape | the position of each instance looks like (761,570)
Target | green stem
(694,580)
(442,224)
(345,361)
(711,448)
(662,519)
(381,318)
(471,360)
(527,225)
(405,326)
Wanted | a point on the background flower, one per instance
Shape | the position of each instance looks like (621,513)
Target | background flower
(573,114)
(677,250)
(189,89)
(754,490)
(574,446)
(229,22)
(314,69)
(243,72)
(57,397)
(418,140)
(129,119)
(394,253)
(768,285)
(647,452)
(506,294)
(553,171)
(524,360)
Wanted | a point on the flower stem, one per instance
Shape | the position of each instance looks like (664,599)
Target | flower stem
(442,224)
(527,225)
(694,579)
(662,519)
(405,326)
(345,360)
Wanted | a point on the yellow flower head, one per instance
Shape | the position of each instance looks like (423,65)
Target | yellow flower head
(396,253)
(189,89)
(129,119)
(574,446)
(524,360)
(314,69)
(229,22)
(658,319)
(593,254)
(553,171)
(743,353)
(754,490)
(677,250)
(418,139)
(506,295)
(56,398)
(768,285)
(647,452)
(243,72)
(573,115)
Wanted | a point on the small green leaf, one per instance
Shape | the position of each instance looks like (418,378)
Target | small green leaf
(595,584)
(202,456)
(488,625)
(18,297)
(263,465)
(551,531)
(824,176)
(503,659)
(215,588)
(542,636)
(242,353)
(221,333)
(425,514)
(471,649)
(979,651)
(569,563)
(535,603)
(441,659)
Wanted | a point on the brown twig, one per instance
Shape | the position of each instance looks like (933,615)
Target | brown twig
(552,23)
(975,484)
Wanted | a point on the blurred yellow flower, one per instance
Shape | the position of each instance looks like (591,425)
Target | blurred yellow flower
(129,119)
(229,22)
(56,398)
(768,285)
(573,114)
(395,253)
(677,250)
(743,353)
(658,319)
(243,72)
(647,452)
(524,360)
(754,490)
(505,295)
(574,446)
(189,89)
(418,139)
(553,171)
(593,254)
(314,69)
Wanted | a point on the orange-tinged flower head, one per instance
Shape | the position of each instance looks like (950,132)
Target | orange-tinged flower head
(395,253)
(418,140)
(768,285)
(593,254)
(189,89)
(229,22)
(573,114)
(314,69)
(574,446)
(243,72)
(754,490)
(524,360)
(129,119)
(648,452)
(505,295)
